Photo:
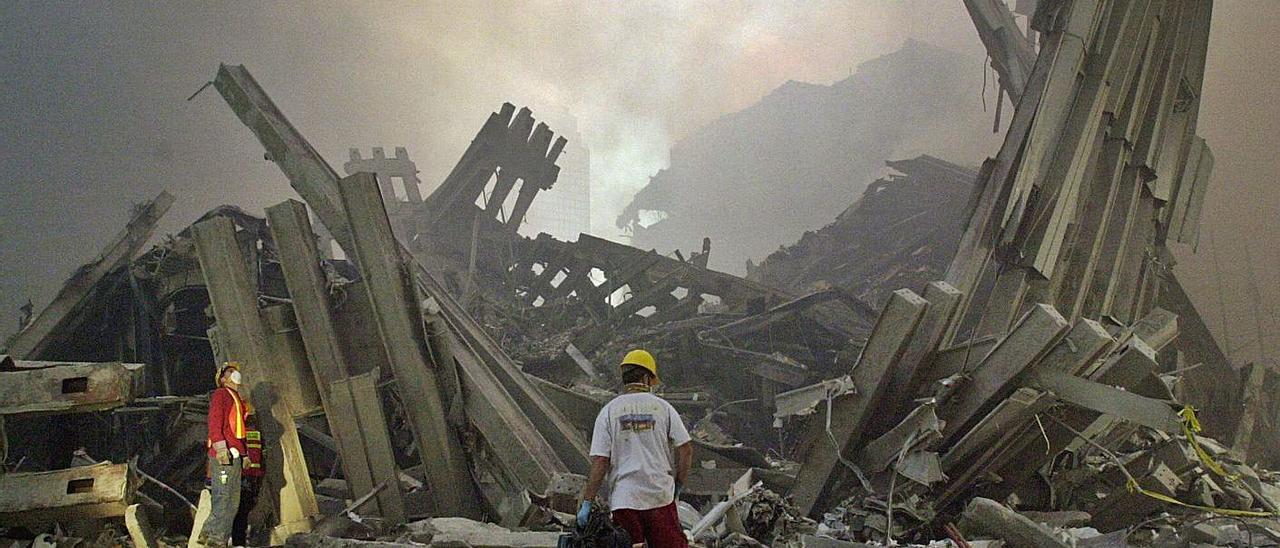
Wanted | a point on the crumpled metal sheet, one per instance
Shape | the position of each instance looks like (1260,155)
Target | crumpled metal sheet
(923,467)
(805,400)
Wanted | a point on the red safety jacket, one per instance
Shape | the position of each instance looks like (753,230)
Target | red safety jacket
(253,448)
(226,420)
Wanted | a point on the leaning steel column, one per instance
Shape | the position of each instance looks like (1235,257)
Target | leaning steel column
(400,326)
(243,336)
(361,443)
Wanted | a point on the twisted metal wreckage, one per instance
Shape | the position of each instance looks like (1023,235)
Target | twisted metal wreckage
(447,366)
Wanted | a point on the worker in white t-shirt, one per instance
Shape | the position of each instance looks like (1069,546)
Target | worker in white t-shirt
(632,444)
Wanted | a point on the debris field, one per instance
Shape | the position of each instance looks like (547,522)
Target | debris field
(968,355)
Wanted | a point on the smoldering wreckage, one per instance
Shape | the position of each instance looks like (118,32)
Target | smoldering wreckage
(988,357)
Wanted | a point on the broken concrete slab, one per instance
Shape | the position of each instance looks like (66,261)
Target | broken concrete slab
(465,532)
(563,492)
(1062,518)
(814,541)
(312,540)
(451,532)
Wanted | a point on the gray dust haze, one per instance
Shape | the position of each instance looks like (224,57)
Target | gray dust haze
(95,116)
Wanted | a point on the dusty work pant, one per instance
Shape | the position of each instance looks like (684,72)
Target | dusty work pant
(659,527)
(224,499)
(250,485)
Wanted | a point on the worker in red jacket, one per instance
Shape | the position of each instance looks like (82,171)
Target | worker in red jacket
(226,449)
(252,481)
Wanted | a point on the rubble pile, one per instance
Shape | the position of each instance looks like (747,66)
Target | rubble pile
(902,232)
(760,177)
(990,358)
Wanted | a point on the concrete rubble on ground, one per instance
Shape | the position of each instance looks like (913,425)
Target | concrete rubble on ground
(991,357)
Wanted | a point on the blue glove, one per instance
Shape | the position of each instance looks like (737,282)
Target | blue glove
(584,512)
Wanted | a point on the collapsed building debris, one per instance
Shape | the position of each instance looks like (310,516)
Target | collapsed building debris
(1067,323)
(359,221)
(902,232)
(1002,353)
(758,178)
(39,338)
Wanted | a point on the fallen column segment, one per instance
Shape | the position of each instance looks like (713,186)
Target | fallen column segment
(101,490)
(47,388)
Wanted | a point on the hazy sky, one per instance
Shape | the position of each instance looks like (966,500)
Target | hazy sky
(94,117)
(1240,119)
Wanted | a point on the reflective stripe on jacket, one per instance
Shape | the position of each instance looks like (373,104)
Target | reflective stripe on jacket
(226,420)
(253,451)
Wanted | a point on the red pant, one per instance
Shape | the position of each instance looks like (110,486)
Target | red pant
(660,527)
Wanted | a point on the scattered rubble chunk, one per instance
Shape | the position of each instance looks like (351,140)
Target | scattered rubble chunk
(986,516)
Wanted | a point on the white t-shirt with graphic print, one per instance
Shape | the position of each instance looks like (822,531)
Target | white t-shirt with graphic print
(637,432)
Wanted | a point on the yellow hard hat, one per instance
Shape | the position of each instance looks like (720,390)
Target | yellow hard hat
(226,366)
(641,359)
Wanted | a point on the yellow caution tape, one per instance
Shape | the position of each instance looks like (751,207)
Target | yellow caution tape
(1135,488)
(1191,426)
